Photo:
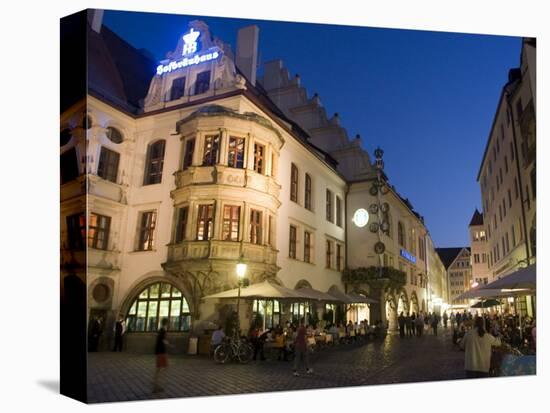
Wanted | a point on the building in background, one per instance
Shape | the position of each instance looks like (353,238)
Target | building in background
(478,248)
(438,288)
(507,174)
(457,262)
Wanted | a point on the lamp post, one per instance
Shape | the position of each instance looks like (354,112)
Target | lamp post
(241,271)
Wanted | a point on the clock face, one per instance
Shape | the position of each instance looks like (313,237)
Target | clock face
(361,217)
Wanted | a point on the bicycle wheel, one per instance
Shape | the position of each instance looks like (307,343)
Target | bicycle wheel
(221,354)
(244,353)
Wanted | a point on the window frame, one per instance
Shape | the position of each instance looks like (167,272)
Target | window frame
(233,153)
(308,204)
(293,183)
(211,151)
(329,206)
(259,158)
(205,221)
(174,96)
(307,246)
(188,154)
(256,227)
(93,239)
(231,215)
(292,242)
(181,224)
(154,166)
(146,228)
(107,167)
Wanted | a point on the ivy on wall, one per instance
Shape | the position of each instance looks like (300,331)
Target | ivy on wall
(390,278)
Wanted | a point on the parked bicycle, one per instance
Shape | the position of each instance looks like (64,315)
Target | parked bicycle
(234,348)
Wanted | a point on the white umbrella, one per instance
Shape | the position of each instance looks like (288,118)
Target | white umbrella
(262,291)
(524,278)
(318,295)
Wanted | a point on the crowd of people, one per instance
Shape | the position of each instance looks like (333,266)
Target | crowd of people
(413,324)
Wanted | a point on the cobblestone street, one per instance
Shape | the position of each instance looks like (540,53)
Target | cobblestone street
(123,376)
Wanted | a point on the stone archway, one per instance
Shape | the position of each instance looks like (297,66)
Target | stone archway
(391,311)
(413,307)
(402,303)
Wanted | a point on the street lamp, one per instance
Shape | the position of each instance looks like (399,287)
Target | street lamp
(241,271)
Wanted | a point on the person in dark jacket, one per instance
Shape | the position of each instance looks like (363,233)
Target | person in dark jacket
(300,350)
(160,352)
(94,334)
(119,332)
(401,321)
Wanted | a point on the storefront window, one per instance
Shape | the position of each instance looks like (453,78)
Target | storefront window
(158,301)
(267,313)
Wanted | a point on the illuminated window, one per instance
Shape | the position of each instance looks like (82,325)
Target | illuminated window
(154,163)
(328,254)
(204,222)
(293,183)
(211,148)
(202,83)
(268,311)
(307,195)
(255,226)
(69,166)
(339,258)
(181,226)
(292,242)
(107,167)
(146,230)
(178,88)
(235,156)
(158,301)
(307,246)
(259,151)
(189,151)
(76,231)
(231,220)
(98,231)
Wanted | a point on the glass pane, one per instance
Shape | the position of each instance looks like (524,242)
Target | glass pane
(133,308)
(144,293)
(164,307)
(165,290)
(176,292)
(152,320)
(175,308)
(276,319)
(185,323)
(185,306)
(276,308)
(131,323)
(141,312)
(154,291)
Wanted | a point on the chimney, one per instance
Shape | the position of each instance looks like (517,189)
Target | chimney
(247,52)
(95,19)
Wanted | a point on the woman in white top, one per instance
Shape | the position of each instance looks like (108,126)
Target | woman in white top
(477,344)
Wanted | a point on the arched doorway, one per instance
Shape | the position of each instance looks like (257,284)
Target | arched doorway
(413,308)
(391,312)
(360,311)
(402,303)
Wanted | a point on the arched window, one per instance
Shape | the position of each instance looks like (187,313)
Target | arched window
(307,195)
(158,301)
(400,234)
(293,183)
(154,163)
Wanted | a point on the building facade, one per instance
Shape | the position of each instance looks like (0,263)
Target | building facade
(478,247)
(169,179)
(457,262)
(507,174)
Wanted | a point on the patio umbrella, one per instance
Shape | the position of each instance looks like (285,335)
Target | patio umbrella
(524,278)
(317,295)
(262,291)
(361,299)
(486,303)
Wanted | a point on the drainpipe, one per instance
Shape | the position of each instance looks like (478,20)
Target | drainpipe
(518,169)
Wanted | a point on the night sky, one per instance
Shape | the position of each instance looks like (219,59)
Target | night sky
(427,98)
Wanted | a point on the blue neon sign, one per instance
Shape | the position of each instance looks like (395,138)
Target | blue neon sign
(408,256)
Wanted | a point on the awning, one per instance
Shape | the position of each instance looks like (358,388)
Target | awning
(524,278)
(486,303)
(492,293)
(262,291)
(317,295)
(351,298)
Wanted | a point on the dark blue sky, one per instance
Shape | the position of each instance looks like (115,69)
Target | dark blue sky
(427,98)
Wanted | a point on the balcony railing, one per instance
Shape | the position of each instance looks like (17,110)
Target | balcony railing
(223,175)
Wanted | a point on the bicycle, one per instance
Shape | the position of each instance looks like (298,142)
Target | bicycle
(234,348)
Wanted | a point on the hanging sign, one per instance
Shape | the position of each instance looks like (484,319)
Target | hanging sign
(408,256)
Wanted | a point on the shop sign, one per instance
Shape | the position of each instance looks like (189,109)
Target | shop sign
(408,256)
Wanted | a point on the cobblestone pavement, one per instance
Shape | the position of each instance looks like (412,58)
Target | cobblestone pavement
(125,376)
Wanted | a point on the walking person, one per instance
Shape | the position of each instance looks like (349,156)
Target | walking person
(445,319)
(300,350)
(120,329)
(477,344)
(408,325)
(160,352)
(419,324)
(94,334)
(401,322)
(434,322)
(413,324)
